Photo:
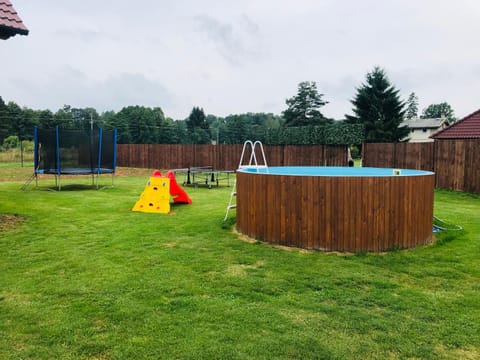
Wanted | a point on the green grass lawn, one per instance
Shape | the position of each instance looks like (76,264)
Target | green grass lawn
(83,277)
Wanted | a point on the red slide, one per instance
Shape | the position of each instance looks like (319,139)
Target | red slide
(179,195)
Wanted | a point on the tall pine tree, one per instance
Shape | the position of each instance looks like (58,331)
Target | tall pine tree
(198,126)
(378,106)
(304,108)
(5,121)
(412,107)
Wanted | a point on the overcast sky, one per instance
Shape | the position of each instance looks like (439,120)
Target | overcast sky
(231,57)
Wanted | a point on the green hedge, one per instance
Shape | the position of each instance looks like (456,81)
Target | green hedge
(335,134)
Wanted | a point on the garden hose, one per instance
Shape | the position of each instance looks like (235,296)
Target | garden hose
(443,225)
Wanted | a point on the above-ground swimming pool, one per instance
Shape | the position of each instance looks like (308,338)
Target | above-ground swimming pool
(336,208)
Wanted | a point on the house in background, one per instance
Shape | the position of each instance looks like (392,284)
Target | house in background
(10,22)
(466,128)
(422,129)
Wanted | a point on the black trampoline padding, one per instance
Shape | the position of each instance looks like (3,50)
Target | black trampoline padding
(76,171)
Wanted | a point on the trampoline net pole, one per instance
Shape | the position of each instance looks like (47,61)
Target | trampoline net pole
(99,155)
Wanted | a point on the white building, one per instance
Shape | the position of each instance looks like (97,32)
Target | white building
(421,129)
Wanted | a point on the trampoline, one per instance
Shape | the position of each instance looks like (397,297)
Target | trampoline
(74,152)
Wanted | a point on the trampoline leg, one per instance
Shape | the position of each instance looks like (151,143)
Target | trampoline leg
(58,183)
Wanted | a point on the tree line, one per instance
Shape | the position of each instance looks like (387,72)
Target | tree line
(378,113)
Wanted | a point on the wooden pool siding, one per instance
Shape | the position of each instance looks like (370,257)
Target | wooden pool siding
(346,214)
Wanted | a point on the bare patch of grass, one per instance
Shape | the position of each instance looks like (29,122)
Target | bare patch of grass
(9,222)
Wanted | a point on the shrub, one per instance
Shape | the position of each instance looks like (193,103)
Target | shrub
(10,142)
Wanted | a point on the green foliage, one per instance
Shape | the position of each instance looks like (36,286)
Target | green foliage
(46,120)
(20,124)
(304,108)
(338,133)
(197,119)
(27,146)
(11,142)
(5,121)
(138,124)
(355,151)
(342,133)
(437,111)
(198,127)
(377,105)
(236,129)
(412,107)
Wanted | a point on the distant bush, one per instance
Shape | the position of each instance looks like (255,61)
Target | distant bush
(10,151)
(11,142)
(27,145)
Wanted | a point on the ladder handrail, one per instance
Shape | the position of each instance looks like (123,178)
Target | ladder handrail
(253,158)
(243,152)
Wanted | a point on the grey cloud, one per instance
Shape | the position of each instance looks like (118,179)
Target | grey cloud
(249,25)
(72,87)
(232,42)
(133,89)
(85,35)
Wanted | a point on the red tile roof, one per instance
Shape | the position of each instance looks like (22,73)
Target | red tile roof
(467,128)
(10,22)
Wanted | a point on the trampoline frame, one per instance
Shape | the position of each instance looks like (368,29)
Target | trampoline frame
(58,171)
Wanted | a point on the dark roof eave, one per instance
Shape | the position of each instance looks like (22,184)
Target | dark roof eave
(11,31)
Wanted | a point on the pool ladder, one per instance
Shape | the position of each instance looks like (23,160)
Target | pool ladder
(252,163)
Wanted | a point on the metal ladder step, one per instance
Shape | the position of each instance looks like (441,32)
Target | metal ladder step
(252,163)
(231,205)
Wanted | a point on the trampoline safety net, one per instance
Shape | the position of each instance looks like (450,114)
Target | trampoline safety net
(74,152)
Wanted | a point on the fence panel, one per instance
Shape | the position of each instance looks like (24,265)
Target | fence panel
(378,155)
(335,155)
(472,166)
(455,162)
(226,157)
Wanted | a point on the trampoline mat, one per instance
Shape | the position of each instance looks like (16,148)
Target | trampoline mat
(76,171)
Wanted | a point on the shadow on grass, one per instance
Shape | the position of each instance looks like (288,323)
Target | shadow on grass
(447,236)
(73,187)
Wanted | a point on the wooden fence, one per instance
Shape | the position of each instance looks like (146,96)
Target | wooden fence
(399,155)
(455,162)
(225,157)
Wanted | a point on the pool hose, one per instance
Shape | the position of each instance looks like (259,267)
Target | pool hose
(442,225)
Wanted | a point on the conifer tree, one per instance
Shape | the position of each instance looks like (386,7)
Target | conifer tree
(4,121)
(198,126)
(412,107)
(377,105)
(303,109)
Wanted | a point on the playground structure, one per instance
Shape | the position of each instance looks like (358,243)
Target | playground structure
(74,152)
(155,198)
